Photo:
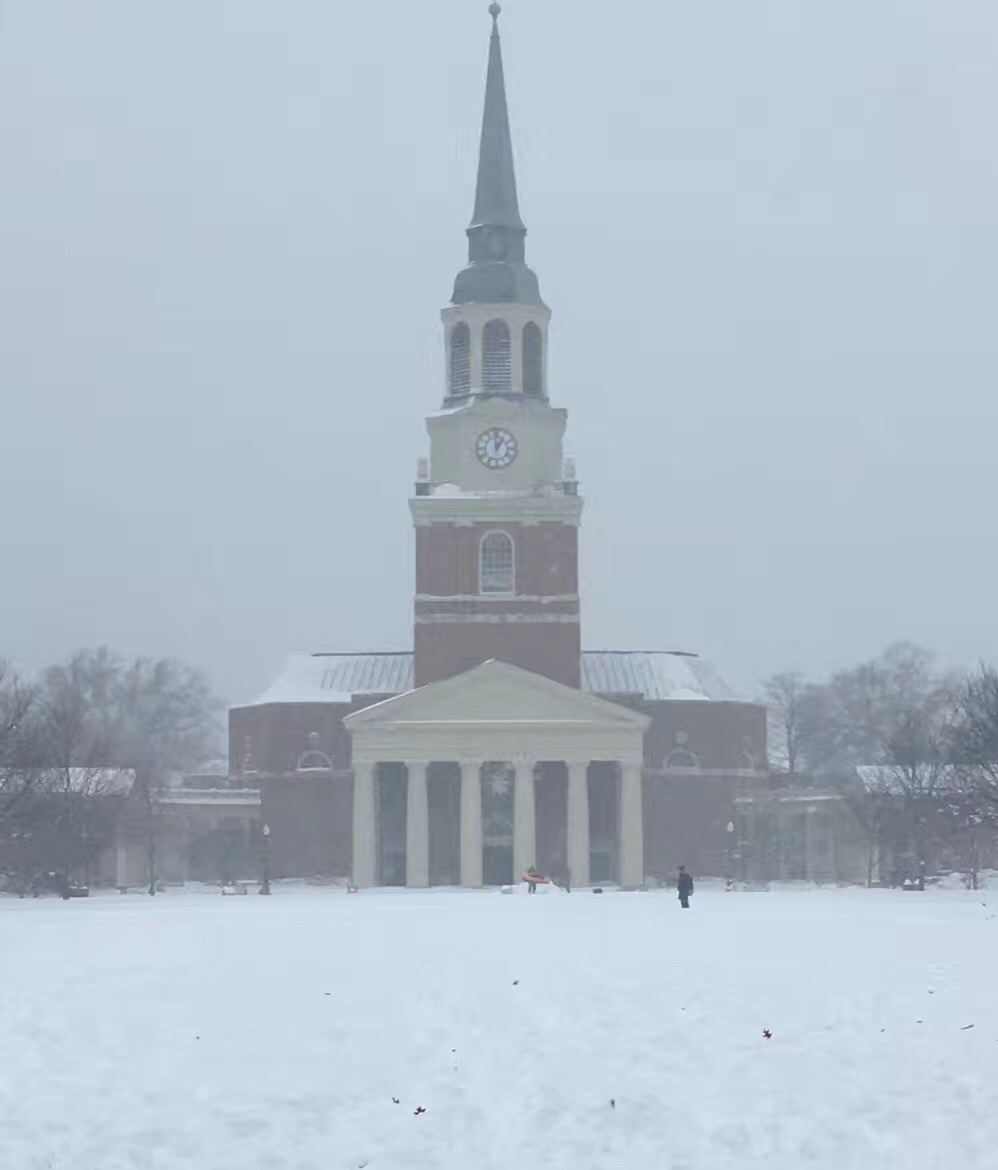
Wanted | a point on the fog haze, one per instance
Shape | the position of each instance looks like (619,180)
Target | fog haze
(768,233)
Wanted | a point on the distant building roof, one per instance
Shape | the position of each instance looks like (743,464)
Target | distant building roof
(653,675)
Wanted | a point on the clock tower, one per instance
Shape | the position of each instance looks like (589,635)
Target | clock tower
(496,506)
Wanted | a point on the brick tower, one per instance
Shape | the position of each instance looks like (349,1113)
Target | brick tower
(496,506)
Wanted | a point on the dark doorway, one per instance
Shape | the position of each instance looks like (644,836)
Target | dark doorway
(497,823)
(444,797)
(604,785)
(551,789)
(391,796)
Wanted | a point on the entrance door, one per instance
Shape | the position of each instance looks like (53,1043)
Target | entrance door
(551,789)
(392,792)
(603,796)
(497,823)
(444,798)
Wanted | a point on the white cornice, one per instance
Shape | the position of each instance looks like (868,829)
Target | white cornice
(487,508)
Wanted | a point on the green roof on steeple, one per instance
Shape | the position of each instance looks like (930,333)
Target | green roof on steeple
(497,272)
(495,197)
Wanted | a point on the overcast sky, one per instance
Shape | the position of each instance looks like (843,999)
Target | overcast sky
(768,232)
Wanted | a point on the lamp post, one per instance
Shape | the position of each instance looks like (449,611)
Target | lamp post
(265,884)
(729,881)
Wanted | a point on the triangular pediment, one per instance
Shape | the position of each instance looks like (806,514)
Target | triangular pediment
(496,693)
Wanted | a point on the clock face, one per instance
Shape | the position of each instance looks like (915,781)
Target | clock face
(496,448)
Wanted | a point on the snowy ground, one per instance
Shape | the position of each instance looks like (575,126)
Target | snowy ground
(203,1033)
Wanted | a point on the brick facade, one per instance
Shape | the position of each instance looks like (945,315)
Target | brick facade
(537,627)
(685,812)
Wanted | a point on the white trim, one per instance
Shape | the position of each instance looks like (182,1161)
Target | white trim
(497,508)
(553,597)
(705,773)
(235,797)
(462,619)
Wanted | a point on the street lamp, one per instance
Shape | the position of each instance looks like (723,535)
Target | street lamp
(265,884)
(729,881)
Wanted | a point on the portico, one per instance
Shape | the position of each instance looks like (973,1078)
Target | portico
(513,741)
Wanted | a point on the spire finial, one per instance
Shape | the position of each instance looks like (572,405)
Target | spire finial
(498,270)
(495,200)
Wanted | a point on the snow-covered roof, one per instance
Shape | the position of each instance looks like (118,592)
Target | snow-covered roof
(338,678)
(240,797)
(654,675)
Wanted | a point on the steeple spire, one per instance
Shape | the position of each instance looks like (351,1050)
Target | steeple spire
(495,197)
(496,238)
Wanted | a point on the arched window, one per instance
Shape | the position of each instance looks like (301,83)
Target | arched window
(533,360)
(496,365)
(681,759)
(315,762)
(496,571)
(460,360)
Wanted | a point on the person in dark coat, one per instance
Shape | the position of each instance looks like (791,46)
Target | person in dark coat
(685,887)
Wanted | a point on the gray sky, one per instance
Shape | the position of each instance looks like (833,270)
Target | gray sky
(768,232)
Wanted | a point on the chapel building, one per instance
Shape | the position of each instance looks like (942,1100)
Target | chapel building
(496,743)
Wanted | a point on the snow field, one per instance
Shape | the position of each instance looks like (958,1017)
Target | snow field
(216,1033)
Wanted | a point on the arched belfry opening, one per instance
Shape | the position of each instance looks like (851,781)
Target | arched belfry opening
(533,360)
(497,372)
(460,360)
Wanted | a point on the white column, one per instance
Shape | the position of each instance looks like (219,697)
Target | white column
(578,823)
(121,869)
(471,825)
(477,373)
(417,828)
(516,355)
(364,837)
(632,847)
(812,846)
(524,819)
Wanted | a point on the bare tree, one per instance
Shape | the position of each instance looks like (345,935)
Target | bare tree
(96,713)
(870,799)
(784,694)
(975,733)
(17,741)
(852,719)
(165,721)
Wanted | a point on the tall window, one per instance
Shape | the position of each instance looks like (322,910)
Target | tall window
(460,360)
(496,365)
(533,360)
(496,573)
